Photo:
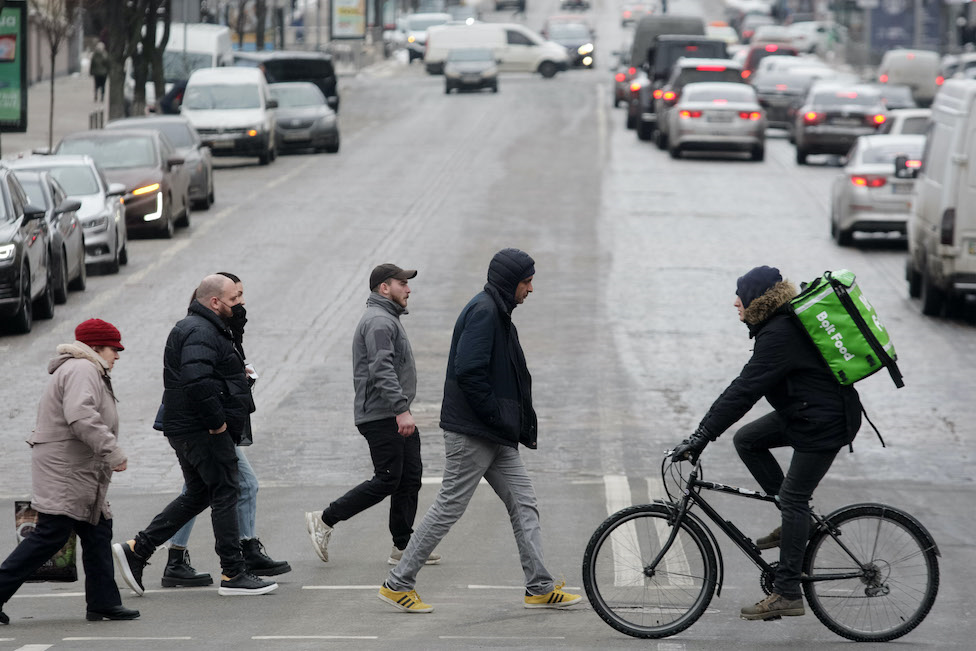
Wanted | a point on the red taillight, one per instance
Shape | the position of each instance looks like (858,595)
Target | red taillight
(750,115)
(689,114)
(781,86)
(948,227)
(627,14)
(691,48)
(658,93)
(747,34)
(812,117)
(669,96)
(619,77)
(720,100)
(635,86)
(869,181)
(771,48)
(849,95)
(883,79)
(631,71)
(939,80)
(711,68)
(913,164)
(879,119)
(746,73)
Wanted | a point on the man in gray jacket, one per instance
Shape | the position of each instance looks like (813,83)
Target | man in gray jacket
(385,379)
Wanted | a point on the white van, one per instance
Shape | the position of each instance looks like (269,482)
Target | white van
(517,48)
(941,262)
(917,69)
(233,111)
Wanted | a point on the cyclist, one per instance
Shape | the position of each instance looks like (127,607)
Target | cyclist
(812,413)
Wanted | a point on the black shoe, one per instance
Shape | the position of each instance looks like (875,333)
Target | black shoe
(112,612)
(260,564)
(130,566)
(180,574)
(4,619)
(245,583)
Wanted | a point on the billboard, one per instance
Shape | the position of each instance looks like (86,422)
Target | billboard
(13,66)
(348,19)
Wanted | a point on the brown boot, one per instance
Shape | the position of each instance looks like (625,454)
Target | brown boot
(773,607)
(771,540)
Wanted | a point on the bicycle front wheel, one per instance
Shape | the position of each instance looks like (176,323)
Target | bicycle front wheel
(896,565)
(635,598)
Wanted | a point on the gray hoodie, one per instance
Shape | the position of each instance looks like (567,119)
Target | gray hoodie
(383,370)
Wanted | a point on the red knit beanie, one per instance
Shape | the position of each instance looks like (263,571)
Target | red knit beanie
(95,332)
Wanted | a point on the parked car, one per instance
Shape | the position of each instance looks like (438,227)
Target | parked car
(157,186)
(102,212)
(917,69)
(304,118)
(912,121)
(833,116)
(67,235)
(470,69)
(186,141)
(869,196)
(688,71)
(717,116)
(578,40)
(26,267)
(296,65)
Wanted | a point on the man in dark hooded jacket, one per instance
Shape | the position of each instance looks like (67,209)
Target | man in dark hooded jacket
(813,414)
(487,411)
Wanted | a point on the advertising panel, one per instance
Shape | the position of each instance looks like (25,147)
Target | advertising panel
(13,66)
(348,19)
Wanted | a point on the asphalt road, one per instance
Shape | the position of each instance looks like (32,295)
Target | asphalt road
(630,335)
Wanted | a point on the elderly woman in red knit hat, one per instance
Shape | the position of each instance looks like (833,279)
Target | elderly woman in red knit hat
(74,451)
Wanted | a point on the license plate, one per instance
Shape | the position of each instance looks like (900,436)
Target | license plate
(901,188)
(303,134)
(846,122)
(471,79)
(222,144)
(719,117)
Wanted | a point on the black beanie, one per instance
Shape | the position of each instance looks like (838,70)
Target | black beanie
(755,283)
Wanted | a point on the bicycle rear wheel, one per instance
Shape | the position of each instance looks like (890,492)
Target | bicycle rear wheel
(638,601)
(899,586)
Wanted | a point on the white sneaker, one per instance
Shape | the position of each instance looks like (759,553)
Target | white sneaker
(397,554)
(319,532)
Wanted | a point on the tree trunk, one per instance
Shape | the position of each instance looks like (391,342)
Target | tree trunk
(50,114)
(260,14)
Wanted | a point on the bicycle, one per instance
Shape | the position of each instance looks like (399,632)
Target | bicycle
(870,571)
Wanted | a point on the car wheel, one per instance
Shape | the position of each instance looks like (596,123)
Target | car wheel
(184,221)
(933,298)
(124,254)
(333,148)
(168,228)
(23,320)
(547,69)
(59,264)
(207,201)
(660,139)
(112,266)
(758,153)
(494,87)
(264,158)
(80,281)
(674,151)
(631,121)
(616,101)
(801,156)
(914,279)
(447,89)
(645,130)
(44,305)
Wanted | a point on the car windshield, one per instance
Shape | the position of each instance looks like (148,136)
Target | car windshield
(222,96)
(844,98)
(113,153)
(898,95)
(731,94)
(782,82)
(888,153)
(75,179)
(568,30)
(709,73)
(298,69)
(470,54)
(177,65)
(35,193)
(915,126)
(177,133)
(296,96)
(418,24)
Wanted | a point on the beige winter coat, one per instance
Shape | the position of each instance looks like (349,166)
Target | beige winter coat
(74,446)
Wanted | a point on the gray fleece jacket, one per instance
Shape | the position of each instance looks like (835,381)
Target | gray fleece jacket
(383,371)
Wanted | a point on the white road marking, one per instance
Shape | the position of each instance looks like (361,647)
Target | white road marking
(623,540)
(496,637)
(475,586)
(124,639)
(374,586)
(29,647)
(315,637)
(676,562)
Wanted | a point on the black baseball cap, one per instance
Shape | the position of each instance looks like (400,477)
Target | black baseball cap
(389,270)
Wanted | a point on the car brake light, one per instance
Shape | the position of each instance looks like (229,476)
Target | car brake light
(619,77)
(635,86)
(771,48)
(626,14)
(879,119)
(631,71)
(689,114)
(747,34)
(750,115)
(849,95)
(869,181)
(658,93)
(812,117)
(720,100)
(781,86)
(746,73)
(669,96)
(910,56)
(711,68)
(883,79)
(913,164)
(948,227)
(939,80)
(691,48)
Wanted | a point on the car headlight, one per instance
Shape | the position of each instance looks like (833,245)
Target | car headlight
(7,252)
(255,131)
(586,48)
(411,39)
(95,224)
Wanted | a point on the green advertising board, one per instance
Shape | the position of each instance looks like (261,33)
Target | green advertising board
(13,66)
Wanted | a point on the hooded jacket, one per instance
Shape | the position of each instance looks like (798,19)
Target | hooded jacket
(204,383)
(75,443)
(787,370)
(384,374)
(488,388)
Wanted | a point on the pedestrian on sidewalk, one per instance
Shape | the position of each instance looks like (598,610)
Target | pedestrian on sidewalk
(385,379)
(74,451)
(178,572)
(207,401)
(98,67)
(486,412)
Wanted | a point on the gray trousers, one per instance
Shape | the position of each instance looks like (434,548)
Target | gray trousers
(468,459)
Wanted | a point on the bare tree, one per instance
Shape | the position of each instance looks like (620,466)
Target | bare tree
(123,20)
(54,19)
(260,23)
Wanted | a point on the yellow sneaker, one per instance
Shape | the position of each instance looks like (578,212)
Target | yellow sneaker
(408,602)
(555,599)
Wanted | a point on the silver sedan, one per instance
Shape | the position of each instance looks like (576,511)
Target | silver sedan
(304,119)
(717,116)
(869,196)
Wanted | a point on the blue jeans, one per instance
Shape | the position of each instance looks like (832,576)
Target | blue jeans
(247,504)
(468,459)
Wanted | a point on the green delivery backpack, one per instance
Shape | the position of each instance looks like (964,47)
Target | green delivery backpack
(845,328)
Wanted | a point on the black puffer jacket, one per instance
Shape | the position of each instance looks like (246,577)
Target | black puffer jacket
(787,369)
(488,389)
(204,384)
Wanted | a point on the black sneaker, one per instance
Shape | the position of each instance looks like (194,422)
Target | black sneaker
(258,562)
(245,583)
(4,619)
(111,613)
(130,566)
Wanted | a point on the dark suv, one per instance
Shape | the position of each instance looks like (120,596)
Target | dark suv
(688,71)
(661,58)
(287,65)
(26,269)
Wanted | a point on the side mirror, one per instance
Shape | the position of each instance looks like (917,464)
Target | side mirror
(68,205)
(33,212)
(116,189)
(173,161)
(906,168)
(272,103)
